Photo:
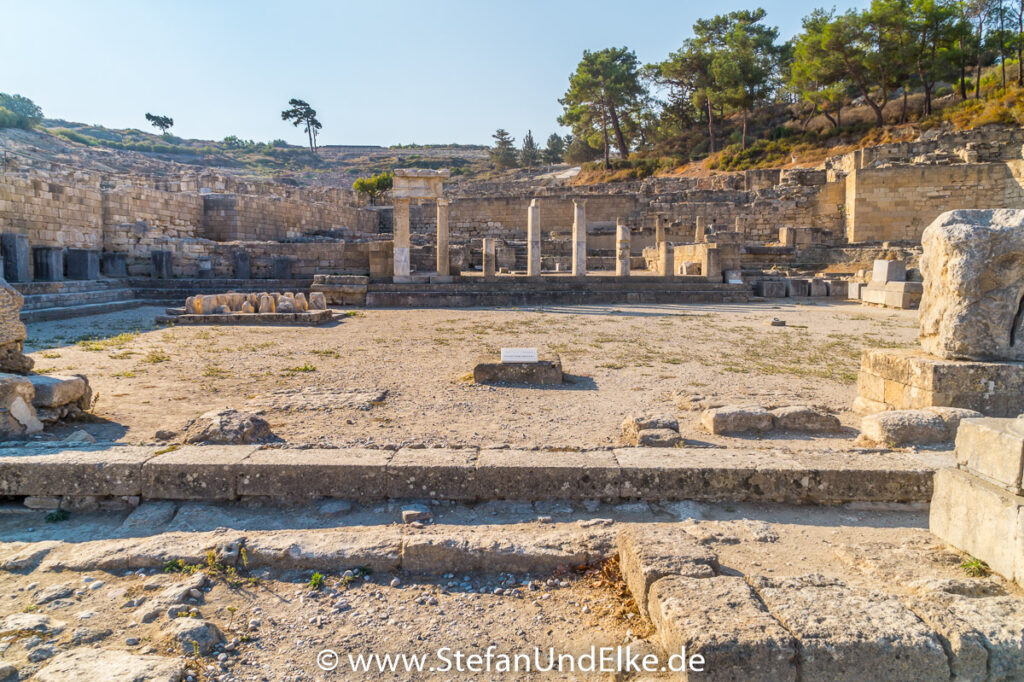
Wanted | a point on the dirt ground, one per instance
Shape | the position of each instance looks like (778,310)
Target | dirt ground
(570,610)
(397,377)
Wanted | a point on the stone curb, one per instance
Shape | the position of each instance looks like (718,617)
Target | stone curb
(227,472)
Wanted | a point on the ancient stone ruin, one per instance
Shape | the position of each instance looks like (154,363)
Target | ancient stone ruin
(255,308)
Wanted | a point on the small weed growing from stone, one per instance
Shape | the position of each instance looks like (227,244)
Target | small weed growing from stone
(56,516)
(974,567)
(305,367)
(316,582)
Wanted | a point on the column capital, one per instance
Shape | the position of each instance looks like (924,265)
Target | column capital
(441,201)
(580,202)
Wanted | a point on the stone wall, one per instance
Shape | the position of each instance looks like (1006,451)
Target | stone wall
(60,209)
(897,202)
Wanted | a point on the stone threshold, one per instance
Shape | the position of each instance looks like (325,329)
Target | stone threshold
(233,472)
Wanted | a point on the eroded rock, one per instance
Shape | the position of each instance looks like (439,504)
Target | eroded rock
(228,427)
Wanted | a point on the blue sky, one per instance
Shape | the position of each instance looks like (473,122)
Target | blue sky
(377,71)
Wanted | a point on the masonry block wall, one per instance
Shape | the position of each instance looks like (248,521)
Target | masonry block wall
(898,202)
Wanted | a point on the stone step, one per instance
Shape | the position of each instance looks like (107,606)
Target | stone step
(69,299)
(67,286)
(69,311)
(217,472)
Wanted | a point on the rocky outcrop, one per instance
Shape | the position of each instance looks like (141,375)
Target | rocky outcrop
(972,307)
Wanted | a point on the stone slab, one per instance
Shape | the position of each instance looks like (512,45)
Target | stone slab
(83,264)
(306,318)
(767,288)
(100,471)
(648,553)
(162,264)
(993,449)
(47,263)
(905,379)
(57,390)
(353,473)
(17,257)
(113,265)
(545,372)
(889,271)
(798,287)
(195,472)
(539,475)
(87,663)
(981,519)
(852,634)
(722,619)
(434,473)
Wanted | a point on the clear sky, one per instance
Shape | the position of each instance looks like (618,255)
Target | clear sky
(377,71)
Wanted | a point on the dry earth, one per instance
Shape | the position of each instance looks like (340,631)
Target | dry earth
(394,377)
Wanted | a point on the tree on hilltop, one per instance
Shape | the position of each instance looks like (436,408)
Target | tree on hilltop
(503,154)
(301,113)
(163,123)
(555,150)
(530,154)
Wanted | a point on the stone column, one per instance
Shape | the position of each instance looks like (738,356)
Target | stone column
(621,248)
(401,232)
(489,258)
(739,224)
(579,237)
(659,229)
(711,268)
(666,260)
(699,234)
(442,237)
(533,239)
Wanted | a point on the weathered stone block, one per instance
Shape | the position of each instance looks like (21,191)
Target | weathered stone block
(162,262)
(851,634)
(17,414)
(889,271)
(981,519)
(650,553)
(56,390)
(838,288)
(195,472)
(770,288)
(446,474)
(17,257)
(106,471)
(806,419)
(113,265)
(547,371)
(854,290)
(798,287)
(243,269)
(737,419)
(48,263)
(536,475)
(818,287)
(994,450)
(722,619)
(351,473)
(282,268)
(83,264)
(973,267)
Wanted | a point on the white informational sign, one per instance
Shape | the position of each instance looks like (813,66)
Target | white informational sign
(519,355)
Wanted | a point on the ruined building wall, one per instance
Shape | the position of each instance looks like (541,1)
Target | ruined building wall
(53,210)
(897,202)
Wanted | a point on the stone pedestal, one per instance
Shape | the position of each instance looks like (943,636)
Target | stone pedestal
(382,262)
(243,266)
(666,260)
(818,287)
(622,249)
(489,258)
(282,268)
(546,371)
(579,237)
(798,287)
(712,265)
(402,268)
(17,257)
(205,268)
(699,234)
(977,507)
(533,239)
(911,379)
(442,238)
(770,288)
(162,262)
(905,295)
(113,265)
(48,263)
(83,264)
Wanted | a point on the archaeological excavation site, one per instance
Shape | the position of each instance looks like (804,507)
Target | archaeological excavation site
(708,388)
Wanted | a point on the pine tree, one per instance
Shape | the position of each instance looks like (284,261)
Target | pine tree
(555,149)
(530,154)
(503,155)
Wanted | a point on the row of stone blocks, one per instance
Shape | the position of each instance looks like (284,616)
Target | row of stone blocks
(799,287)
(978,506)
(226,472)
(22,263)
(809,627)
